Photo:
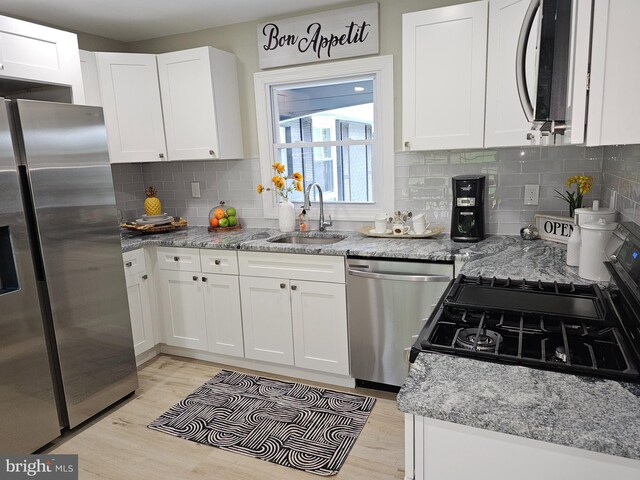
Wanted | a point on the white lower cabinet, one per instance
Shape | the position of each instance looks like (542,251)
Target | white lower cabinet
(320,326)
(266,318)
(292,321)
(183,312)
(222,315)
(139,294)
(438,450)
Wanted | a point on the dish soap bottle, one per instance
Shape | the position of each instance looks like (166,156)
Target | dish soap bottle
(303,221)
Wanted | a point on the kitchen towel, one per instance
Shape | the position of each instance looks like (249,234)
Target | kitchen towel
(291,424)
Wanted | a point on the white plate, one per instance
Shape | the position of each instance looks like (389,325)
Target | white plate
(160,221)
(152,218)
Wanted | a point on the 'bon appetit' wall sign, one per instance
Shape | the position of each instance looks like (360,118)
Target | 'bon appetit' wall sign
(347,32)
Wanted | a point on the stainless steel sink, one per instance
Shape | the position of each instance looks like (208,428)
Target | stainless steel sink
(308,239)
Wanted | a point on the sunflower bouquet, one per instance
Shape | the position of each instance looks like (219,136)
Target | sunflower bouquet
(583,185)
(279,182)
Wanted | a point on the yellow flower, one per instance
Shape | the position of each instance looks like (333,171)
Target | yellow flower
(259,188)
(276,165)
(280,168)
(298,186)
(297,176)
(278,182)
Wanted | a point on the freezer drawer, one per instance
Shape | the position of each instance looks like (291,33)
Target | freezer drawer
(388,302)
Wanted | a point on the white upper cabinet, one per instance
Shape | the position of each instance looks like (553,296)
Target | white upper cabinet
(506,123)
(90,81)
(614,97)
(200,101)
(444,53)
(132,109)
(40,54)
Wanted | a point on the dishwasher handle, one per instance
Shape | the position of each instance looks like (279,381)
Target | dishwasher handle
(400,277)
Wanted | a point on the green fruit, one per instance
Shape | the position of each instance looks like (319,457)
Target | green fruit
(231,212)
(224,222)
(233,221)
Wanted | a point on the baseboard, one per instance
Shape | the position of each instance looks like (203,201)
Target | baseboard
(144,357)
(299,373)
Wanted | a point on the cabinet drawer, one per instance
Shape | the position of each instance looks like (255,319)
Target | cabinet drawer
(182,259)
(319,268)
(219,261)
(133,261)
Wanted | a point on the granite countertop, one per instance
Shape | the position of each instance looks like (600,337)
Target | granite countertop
(593,414)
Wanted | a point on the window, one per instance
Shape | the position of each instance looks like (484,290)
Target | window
(334,124)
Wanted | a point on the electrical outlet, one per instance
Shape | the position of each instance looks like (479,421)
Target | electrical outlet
(531,194)
(195,189)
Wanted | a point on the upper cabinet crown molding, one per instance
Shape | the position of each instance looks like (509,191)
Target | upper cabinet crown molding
(40,54)
(188,98)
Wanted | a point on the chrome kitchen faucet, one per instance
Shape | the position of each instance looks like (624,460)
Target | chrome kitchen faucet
(322,225)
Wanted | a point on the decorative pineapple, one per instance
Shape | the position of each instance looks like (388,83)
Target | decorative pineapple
(152,205)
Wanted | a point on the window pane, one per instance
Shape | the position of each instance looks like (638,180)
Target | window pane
(346,176)
(313,113)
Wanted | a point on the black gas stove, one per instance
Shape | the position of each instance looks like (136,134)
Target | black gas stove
(580,329)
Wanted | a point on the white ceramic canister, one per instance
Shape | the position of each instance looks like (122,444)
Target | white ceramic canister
(593,214)
(595,237)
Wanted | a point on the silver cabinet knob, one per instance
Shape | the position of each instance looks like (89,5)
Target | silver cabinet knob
(161,155)
(204,279)
(1,66)
(283,285)
(530,136)
(212,153)
(128,264)
(176,259)
(217,262)
(144,277)
(294,287)
(407,144)
(195,277)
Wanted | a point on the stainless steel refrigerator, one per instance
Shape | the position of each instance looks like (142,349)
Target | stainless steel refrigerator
(66,350)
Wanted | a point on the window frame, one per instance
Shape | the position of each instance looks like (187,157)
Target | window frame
(380,67)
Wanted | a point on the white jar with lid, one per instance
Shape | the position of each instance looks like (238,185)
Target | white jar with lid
(595,237)
(593,214)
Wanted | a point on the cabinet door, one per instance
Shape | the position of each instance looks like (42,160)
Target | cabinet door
(131,103)
(42,54)
(140,311)
(266,318)
(183,309)
(506,124)
(222,314)
(320,326)
(443,77)
(200,104)
(614,96)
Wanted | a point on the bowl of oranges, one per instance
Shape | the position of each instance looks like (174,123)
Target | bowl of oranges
(223,217)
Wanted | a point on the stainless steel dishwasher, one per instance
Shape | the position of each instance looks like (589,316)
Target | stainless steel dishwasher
(388,303)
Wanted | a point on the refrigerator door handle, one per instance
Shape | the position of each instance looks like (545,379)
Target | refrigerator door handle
(521,58)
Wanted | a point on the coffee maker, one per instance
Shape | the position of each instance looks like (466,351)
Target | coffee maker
(467,217)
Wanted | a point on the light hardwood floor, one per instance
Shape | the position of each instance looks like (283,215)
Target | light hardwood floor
(118,445)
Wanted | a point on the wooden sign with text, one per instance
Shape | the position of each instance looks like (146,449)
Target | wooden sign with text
(554,228)
(343,33)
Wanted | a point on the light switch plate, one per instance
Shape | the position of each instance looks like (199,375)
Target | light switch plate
(531,194)
(195,189)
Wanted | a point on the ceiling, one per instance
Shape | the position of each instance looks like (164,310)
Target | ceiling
(132,20)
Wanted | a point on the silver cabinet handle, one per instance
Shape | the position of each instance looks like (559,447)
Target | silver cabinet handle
(161,155)
(144,277)
(217,262)
(530,136)
(204,279)
(294,287)
(176,259)
(1,66)
(195,277)
(400,277)
(407,144)
(521,58)
(212,153)
(128,264)
(283,285)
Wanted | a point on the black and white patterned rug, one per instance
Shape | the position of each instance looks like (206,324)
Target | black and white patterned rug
(291,424)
